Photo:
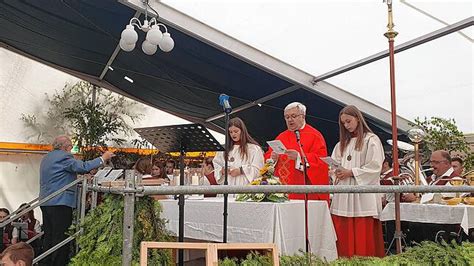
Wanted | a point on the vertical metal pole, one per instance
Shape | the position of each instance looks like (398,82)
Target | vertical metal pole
(417,164)
(128,215)
(94,193)
(305,164)
(391,34)
(77,216)
(181,207)
(226,175)
(417,169)
(82,210)
(83,200)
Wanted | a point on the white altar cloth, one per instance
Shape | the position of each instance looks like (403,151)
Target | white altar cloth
(432,213)
(262,222)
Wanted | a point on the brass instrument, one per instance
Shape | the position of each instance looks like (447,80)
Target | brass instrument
(469,177)
(408,165)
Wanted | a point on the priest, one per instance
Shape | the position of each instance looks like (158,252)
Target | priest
(289,166)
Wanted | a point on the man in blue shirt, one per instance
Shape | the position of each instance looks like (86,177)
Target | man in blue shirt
(59,168)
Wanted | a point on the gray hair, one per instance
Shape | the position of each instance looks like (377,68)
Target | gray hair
(301,107)
(59,142)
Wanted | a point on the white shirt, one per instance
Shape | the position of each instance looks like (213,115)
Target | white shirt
(251,165)
(366,166)
(435,179)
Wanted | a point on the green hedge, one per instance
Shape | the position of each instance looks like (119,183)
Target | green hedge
(427,253)
(101,242)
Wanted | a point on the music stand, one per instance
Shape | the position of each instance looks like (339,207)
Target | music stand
(2,230)
(22,229)
(182,139)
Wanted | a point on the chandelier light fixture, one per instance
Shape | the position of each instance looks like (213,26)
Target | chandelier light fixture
(154,37)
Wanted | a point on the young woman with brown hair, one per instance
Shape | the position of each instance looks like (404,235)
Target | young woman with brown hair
(245,156)
(359,155)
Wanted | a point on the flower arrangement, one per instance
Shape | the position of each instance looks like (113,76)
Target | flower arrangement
(266,178)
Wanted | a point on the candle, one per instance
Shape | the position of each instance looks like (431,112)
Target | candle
(195,180)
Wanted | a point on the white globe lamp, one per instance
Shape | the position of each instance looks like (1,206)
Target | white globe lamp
(154,35)
(126,47)
(167,43)
(149,48)
(129,35)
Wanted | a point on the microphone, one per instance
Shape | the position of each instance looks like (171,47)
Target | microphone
(297,133)
(303,155)
(224,102)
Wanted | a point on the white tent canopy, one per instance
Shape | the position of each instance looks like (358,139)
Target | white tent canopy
(433,79)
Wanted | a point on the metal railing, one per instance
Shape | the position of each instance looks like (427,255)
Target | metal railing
(132,190)
(35,237)
(18,213)
(56,247)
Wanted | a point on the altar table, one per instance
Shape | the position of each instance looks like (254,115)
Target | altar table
(432,213)
(259,222)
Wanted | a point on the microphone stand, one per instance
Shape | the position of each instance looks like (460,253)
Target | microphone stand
(227,111)
(304,162)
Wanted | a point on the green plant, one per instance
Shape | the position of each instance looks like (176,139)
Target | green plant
(91,115)
(426,253)
(101,240)
(301,259)
(252,259)
(431,253)
(255,259)
(443,134)
(228,262)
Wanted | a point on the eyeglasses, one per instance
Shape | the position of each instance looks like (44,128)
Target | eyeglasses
(294,116)
(437,162)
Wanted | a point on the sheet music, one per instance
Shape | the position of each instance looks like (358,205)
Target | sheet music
(113,175)
(102,173)
(427,197)
(277,146)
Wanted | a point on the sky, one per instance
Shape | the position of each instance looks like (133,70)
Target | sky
(433,79)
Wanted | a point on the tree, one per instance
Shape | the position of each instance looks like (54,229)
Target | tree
(94,117)
(443,134)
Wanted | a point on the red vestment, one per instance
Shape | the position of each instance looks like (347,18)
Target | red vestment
(443,180)
(314,146)
(386,179)
(358,236)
